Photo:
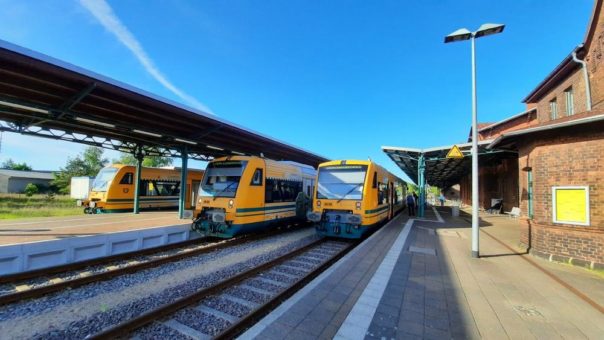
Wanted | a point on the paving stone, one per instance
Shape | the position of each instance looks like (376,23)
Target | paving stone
(313,327)
(387,309)
(411,327)
(298,334)
(437,334)
(438,323)
(406,336)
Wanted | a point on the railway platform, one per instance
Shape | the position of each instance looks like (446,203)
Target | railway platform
(52,228)
(415,278)
(30,244)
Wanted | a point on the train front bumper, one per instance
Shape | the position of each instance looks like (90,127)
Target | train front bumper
(337,224)
(211,223)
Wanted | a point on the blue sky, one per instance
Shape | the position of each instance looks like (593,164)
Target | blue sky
(339,78)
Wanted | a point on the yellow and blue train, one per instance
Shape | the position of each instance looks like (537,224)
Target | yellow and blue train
(353,198)
(113,189)
(243,194)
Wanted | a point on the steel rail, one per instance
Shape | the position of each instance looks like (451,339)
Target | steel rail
(244,323)
(125,327)
(43,290)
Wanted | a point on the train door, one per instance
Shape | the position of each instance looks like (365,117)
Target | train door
(391,200)
(194,192)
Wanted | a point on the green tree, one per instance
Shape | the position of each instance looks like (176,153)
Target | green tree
(30,189)
(88,163)
(11,165)
(412,188)
(149,161)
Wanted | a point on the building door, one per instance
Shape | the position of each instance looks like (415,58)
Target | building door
(529,175)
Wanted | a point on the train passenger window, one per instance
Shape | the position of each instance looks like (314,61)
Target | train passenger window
(127,179)
(257,179)
(268,190)
(382,193)
(374,185)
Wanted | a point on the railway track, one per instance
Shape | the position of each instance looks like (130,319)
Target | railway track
(38,283)
(226,308)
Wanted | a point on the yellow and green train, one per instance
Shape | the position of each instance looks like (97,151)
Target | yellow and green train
(353,198)
(113,189)
(243,194)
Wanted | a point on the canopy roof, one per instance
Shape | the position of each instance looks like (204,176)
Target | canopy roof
(46,97)
(441,171)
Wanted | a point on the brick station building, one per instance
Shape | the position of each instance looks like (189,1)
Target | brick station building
(559,141)
(548,160)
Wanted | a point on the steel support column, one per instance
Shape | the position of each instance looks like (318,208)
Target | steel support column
(137,180)
(421,182)
(475,218)
(183,184)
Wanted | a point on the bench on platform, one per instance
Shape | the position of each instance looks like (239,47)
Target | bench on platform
(515,213)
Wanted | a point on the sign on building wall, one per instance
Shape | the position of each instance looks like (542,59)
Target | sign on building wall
(571,204)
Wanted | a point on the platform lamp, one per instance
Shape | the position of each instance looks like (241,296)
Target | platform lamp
(460,35)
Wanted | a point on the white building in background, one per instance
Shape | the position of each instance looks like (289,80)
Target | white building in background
(14,181)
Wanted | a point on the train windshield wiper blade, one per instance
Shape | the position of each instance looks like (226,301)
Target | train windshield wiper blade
(349,191)
(223,190)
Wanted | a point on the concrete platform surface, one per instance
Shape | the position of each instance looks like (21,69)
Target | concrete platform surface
(46,242)
(415,279)
(50,228)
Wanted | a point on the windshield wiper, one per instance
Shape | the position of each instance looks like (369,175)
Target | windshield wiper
(351,190)
(223,190)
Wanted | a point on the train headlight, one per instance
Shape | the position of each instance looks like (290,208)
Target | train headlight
(92,204)
(318,203)
(358,205)
(231,202)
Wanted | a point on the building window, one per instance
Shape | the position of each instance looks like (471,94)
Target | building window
(570,101)
(553,109)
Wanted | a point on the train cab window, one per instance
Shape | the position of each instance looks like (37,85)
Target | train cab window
(374,185)
(257,179)
(127,179)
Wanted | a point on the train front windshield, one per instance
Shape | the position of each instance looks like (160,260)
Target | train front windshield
(341,182)
(221,179)
(103,179)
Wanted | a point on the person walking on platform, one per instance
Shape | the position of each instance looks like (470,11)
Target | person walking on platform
(416,200)
(441,198)
(411,204)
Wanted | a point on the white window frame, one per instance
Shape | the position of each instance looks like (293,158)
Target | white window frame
(553,109)
(570,101)
(587,212)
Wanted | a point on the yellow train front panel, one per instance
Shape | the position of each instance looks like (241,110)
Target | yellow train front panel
(243,194)
(352,198)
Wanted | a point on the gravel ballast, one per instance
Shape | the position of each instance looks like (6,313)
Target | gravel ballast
(79,312)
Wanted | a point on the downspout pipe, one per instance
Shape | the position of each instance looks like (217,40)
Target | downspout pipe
(585,75)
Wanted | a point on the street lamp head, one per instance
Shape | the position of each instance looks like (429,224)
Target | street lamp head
(488,29)
(459,35)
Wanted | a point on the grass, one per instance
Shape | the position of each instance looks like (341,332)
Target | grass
(13,206)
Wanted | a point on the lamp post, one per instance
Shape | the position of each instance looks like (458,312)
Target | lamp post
(461,35)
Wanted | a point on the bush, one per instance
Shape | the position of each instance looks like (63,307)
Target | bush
(30,189)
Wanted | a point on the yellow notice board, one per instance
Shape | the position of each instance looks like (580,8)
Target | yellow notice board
(571,205)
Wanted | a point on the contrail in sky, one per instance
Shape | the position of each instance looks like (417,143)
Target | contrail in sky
(101,10)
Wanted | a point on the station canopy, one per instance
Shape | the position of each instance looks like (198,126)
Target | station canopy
(441,171)
(45,97)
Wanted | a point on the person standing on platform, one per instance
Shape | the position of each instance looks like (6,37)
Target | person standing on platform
(416,200)
(411,204)
(441,198)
